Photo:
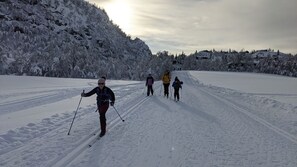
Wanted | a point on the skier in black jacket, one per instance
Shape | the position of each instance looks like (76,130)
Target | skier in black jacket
(104,95)
(149,83)
(176,85)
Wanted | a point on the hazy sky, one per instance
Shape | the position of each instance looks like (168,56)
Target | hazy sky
(190,25)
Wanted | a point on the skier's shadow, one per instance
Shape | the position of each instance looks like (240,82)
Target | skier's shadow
(162,104)
(198,112)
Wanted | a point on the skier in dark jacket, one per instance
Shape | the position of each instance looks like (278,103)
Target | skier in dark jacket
(104,95)
(149,83)
(176,85)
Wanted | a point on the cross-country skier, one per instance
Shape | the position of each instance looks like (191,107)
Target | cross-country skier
(176,85)
(166,83)
(104,95)
(149,83)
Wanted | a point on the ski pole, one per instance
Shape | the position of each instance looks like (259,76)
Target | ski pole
(170,92)
(118,113)
(75,114)
(143,90)
(181,93)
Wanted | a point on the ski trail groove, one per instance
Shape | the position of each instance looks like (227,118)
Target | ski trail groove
(14,155)
(63,161)
(246,112)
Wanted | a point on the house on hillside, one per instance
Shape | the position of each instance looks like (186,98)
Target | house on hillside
(262,54)
(265,54)
(205,54)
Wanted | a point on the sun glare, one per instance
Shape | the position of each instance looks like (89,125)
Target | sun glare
(121,14)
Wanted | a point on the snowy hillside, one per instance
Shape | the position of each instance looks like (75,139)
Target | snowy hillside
(223,119)
(66,38)
(75,39)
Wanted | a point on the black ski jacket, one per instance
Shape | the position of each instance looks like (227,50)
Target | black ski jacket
(103,95)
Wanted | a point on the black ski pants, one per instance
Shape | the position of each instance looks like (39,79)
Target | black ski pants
(102,111)
(176,93)
(150,90)
(166,89)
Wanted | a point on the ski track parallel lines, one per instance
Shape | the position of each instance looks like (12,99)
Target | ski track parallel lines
(263,122)
(245,111)
(64,161)
(22,147)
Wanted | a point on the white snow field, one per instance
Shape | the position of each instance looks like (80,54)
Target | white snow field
(223,120)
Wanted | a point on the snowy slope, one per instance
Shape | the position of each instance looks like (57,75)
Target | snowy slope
(216,123)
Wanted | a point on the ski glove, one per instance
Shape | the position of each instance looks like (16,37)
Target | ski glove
(83,95)
(112,103)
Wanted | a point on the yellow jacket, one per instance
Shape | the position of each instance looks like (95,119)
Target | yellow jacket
(166,78)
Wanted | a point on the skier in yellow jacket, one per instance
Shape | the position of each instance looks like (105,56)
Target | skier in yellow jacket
(166,83)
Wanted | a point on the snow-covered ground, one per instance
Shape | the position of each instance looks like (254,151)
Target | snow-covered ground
(223,120)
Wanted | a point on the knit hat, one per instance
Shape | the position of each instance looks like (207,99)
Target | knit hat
(101,80)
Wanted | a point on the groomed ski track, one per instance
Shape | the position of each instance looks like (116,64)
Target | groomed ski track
(92,139)
(43,143)
(206,127)
(244,110)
